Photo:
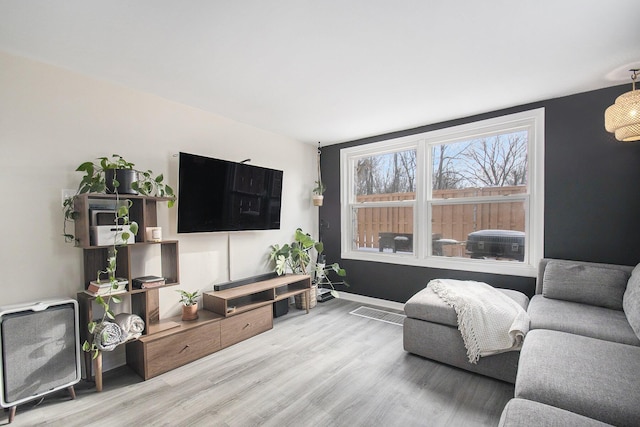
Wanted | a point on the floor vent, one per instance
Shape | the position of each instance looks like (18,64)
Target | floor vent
(381,315)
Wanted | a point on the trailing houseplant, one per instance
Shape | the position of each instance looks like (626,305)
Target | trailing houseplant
(297,257)
(319,189)
(121,217)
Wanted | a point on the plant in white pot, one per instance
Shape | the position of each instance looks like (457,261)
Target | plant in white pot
(189,302)
(319,189)
(318,192)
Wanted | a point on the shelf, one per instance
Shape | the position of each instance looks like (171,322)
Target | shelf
(232,301)
(143,211)
(95,259)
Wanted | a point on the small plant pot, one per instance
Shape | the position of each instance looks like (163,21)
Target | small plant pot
(125,178)
(190,312)
(318,199)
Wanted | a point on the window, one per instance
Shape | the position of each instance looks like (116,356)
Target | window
(468,197)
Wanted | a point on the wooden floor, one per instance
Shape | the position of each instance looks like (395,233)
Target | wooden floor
(327,368)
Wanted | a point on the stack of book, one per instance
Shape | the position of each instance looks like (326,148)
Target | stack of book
(148,282)
(104,287)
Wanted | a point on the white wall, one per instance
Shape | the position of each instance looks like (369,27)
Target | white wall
(51,120)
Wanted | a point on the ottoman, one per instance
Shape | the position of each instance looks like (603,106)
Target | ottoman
(431,330)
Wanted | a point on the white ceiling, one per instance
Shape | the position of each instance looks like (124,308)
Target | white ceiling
(335,70)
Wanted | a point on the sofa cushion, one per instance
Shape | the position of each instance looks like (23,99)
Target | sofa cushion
(525,413)
(581,319)
(631,301)
(427,305)
(583,283)
(588,376)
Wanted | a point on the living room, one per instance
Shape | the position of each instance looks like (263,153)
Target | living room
(75,86)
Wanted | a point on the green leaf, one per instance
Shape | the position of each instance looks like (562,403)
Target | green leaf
(159,178)
(169,190)
(334,293)
(91,327)
(86,346)
(123,211)
(86,167)
(133,227)
(116,299)
(96,353)
(110,314)
(281,265)
(170,203)
(125,236)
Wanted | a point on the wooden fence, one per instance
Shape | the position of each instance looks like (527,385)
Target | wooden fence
(452,222)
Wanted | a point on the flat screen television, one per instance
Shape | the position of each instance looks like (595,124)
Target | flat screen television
(219,195)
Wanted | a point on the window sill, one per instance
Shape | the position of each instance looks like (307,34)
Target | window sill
(510,268)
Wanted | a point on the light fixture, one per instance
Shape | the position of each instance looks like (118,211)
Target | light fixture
(623,117)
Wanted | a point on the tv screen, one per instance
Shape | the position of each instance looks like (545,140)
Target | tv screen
(219,195)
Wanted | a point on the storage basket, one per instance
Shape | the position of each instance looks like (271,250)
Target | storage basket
(301,299)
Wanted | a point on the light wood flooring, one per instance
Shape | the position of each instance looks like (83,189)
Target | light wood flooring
(327,368)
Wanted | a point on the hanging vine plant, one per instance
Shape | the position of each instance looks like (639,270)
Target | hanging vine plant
(320,188)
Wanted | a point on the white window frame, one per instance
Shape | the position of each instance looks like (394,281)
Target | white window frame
(532,120)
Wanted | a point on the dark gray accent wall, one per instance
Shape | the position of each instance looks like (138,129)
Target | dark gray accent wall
(592,202)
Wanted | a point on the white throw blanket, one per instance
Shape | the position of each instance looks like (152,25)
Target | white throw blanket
(107,336)
(490,322)
(131,325)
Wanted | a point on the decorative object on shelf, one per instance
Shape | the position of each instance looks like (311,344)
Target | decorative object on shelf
(131,325)
(154,234)
(623,117)
(319,189)
(107,335)
(189,302)
(297,258)
(148,282)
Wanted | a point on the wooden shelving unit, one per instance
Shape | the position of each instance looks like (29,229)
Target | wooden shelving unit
(144,302)
(238,300)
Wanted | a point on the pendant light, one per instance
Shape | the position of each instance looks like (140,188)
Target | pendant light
(623,117)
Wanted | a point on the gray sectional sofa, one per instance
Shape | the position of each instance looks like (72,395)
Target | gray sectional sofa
(580,362)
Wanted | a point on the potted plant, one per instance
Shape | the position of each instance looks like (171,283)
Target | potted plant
(318,191)
(189,302)
(297,258)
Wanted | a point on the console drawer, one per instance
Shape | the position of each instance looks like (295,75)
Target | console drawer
(167,353)
(245,325)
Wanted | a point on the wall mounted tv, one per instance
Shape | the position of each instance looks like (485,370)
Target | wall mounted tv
(219,195)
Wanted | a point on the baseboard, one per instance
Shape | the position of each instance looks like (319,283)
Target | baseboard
(372,301)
